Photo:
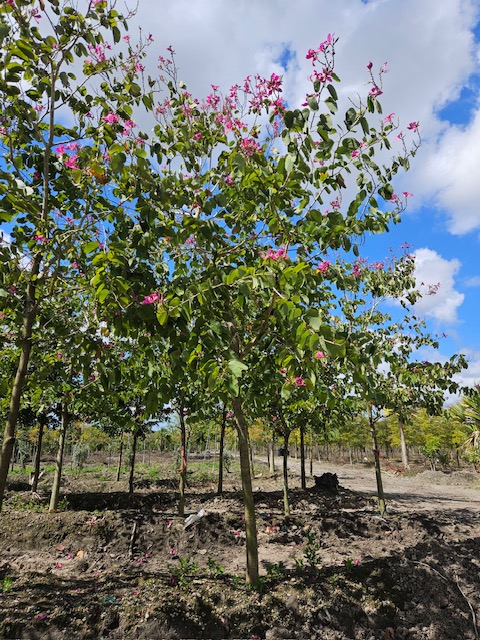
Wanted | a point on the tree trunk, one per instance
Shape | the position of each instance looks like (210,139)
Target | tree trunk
(403,444)
(286,502)
(120,456)
(16,393)
(310,451)
(132,461)
(183,468)
(65,419)
(252,576)
(303,478)
(38,455)
(272,455)
(378,471)
(220,453)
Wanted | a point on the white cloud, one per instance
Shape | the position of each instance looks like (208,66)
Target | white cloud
(474,281)
(450,171)
(439,302)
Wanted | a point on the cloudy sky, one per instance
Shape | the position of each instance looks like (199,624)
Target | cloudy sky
(433,55)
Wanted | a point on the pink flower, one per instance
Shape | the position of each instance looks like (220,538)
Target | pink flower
(71,162)
(375,92)
(283,372)
(197,136)
(128,125)
(394,198)
(356,271)
(250,146)
(169,523)
(369,65)
(300,382)
(229,180)
(320,354)
(388,119)
(413,126)
(355,153)
(40,238)
(399,137)
(324,266)
(111,118)
(407,194)
(173,551)
(229,414)
(152,298)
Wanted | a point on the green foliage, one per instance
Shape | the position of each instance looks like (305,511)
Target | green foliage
(214,570)
(184,573)
(7,584)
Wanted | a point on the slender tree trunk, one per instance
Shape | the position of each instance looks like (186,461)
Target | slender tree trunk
(378,471)
(38,456)
(220,452)
(286,502)
(310,451)
(303,478)
(120,457)
(272,454)
(57,478)
(252,576)
(183,468)
(132,461)
(19,380)
(403,444)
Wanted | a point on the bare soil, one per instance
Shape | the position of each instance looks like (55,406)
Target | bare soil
(117,566)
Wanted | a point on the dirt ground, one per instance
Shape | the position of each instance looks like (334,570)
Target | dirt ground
(117,566)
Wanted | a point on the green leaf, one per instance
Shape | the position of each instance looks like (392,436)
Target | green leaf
(89,247)
(237,367)
(290,161)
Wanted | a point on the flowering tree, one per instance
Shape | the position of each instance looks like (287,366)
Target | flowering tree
(65,135)
(233,233)
(387,374)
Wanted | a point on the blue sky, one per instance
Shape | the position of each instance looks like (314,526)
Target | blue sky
(433,55)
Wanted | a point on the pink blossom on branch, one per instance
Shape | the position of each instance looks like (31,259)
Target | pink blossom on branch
(300,382)
(152,298)
(324,266)
(111,118)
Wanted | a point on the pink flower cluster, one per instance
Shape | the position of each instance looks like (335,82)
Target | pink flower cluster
(313,54)
(250,146)
(300,382)
(281,253)
(324,266)
(40,238)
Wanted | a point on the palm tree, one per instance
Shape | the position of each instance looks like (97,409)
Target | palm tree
(468,412)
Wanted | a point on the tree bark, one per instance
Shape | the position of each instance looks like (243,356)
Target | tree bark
(286,502)
(310,451)
(303,478)
(272,454)
(38,455)
(378,471)
(403,444)
(252,574)
(30,314)
(120,456)
(183,469)
(132,461)
(220,453)
(65,419)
